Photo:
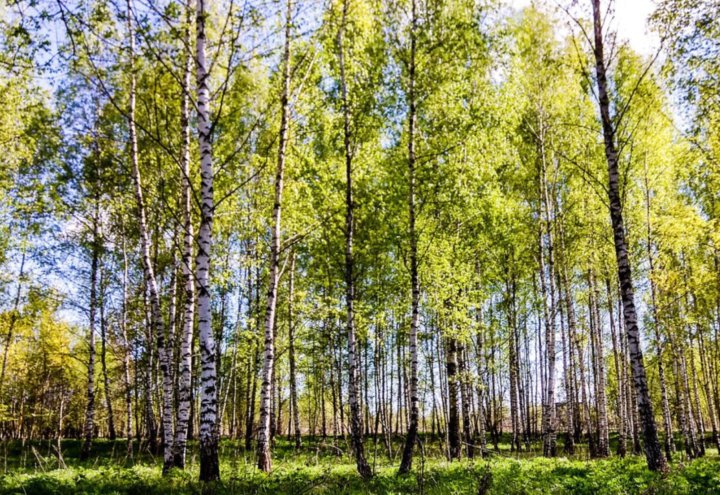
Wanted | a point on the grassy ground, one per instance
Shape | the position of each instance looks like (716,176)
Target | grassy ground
(319,468)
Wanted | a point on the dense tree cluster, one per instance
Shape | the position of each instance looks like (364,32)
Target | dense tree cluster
(351,219)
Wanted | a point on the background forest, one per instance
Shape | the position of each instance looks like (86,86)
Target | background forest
(358,246)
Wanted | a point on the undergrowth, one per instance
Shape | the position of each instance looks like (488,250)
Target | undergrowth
(313,470)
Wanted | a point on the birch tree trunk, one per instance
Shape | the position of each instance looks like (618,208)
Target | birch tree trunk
(707,388)
(696,402)
(156,319)
(583,388)
(263,435)
(513,368)
(573,418)
(691,305)
(653,452)
(667,420)
(621,413)
(13,320)
(184,382)
(291,356)
(695,449)
(356,427)
(411,439)
(253,309)
(126,353)
(209,463)
(103,360)
(451,365)
(482,382)
(630,407)
(465,396)
(89,427)
(548,292)
(599,371)
(684,413)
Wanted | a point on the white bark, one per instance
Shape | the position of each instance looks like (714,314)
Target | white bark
(185,362)
(263,446)
(157,324)
(353,399)
(653,453)
(126,354)
(547,282)
(291,356)
(209,468)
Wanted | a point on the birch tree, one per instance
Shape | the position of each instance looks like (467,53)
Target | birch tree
(184,391)
(156,319)
(263,434)
(653,453)
(209,463)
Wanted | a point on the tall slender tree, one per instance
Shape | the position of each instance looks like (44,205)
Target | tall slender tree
(184,381)
(209,462)
(291,356)
(653,452)
(356,428)
(263,435)
(412,432)
(157,325)
(89,428)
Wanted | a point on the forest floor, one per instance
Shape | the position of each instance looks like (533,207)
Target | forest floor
(320,468)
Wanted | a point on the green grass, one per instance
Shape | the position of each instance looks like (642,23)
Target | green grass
(318,469)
